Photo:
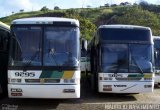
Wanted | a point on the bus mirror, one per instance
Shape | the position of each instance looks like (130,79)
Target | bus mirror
(155,54)
(84,44)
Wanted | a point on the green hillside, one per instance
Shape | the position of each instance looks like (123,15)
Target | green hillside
(90,18)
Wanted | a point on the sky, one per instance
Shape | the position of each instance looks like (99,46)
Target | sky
(9,6)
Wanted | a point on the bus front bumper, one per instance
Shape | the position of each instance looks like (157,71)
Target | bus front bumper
(125,87)
(44,91)
(157,79)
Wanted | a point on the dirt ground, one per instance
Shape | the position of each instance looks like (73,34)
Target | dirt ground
(88,101)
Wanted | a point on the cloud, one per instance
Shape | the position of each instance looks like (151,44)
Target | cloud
(19,4)
(9,6)
(119,1)
(92,3)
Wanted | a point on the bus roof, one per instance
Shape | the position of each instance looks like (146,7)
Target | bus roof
(156,37)
(124,26)
(45,20)
(125,34)
(4,26)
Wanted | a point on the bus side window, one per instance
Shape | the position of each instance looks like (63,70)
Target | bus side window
(4,36)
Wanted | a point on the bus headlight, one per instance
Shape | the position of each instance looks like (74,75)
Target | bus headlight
(147,78)
(77,81)
(69,81)
(105,78)
(147,86)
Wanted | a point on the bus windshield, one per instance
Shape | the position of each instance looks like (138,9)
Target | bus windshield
(27,46)
(126,58)
(45,46)
(60,46)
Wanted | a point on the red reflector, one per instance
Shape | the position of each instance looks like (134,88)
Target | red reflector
(107,89)
(16,94)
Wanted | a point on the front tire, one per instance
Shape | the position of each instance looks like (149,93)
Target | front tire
(94,83)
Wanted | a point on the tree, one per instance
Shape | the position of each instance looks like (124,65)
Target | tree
(22,10)
(88,6)
(71,12)
(113,5)
(125,3)
(44,9)
(106,5)
(105,18)
(86,26)
(122,4)
(144,4)
(136,16)
(56,8)
(135,4)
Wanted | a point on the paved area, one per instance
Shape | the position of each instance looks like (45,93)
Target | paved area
(88,101)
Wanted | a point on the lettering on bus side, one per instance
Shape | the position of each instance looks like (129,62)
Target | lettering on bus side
(120,85)
(115,75)
(24,74)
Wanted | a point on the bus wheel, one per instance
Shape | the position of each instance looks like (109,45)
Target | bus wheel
(94,84)
(4,91)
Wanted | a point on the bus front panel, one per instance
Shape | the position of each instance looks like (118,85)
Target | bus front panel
(125,82)
(43,84)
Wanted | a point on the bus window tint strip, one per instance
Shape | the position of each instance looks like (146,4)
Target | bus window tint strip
(124,34)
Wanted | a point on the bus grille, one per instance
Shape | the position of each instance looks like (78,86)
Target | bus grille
(129,79)
(42,80)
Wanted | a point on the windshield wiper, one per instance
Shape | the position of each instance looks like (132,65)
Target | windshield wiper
(135,62)
(120,63)
(52,54)
(54,58)
(32,58)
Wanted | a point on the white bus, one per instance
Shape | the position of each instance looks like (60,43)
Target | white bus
(4,45)
(157,59)
(44,58)
(122,59)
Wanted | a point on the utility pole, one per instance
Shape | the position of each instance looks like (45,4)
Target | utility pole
(111,2)
(83,3)
(32,7)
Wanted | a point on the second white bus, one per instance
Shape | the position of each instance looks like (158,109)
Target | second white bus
(122,59)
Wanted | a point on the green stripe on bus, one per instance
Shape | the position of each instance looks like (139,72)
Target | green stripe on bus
(135,75)
(51,74)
